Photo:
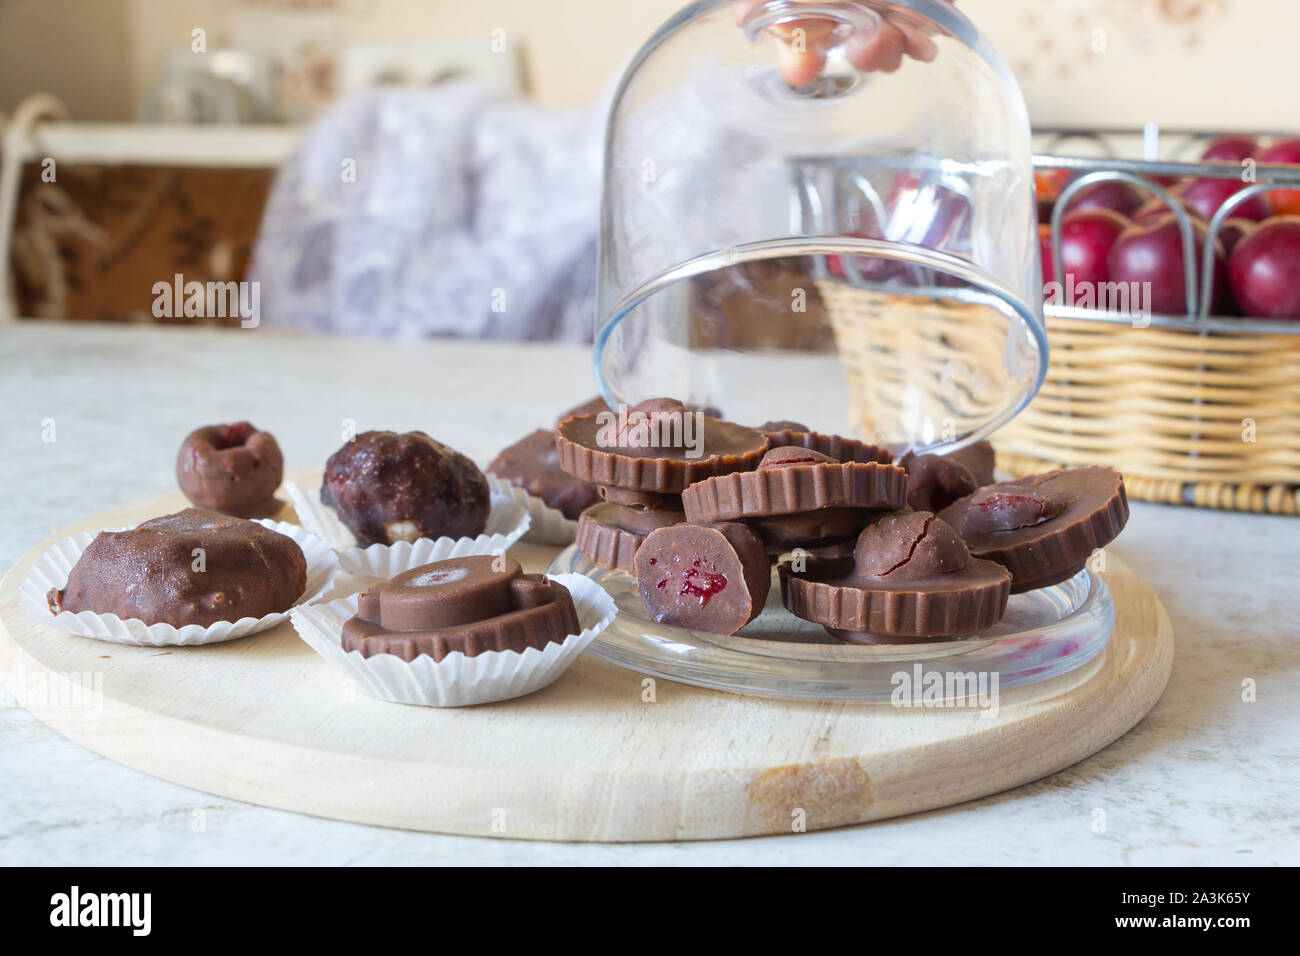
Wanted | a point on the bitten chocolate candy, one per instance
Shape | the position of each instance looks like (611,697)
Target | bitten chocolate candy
(531,464)
(912,579)
(704,577)
(234,469)
(192,567)
(658,446)
(470,605)
(1043,528)
(388,487)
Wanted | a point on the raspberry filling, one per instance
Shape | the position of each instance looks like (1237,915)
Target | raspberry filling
(1008,510)
(698,581)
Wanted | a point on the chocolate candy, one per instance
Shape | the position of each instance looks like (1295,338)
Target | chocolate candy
(388,487)
(234,469)
(786,433)
(711,577)
(531,464)
(601,537)
(935,481)
(192,567)
(912,578)
(792,481)
(978,458)
(659,446)
(470,605)
(1042,528)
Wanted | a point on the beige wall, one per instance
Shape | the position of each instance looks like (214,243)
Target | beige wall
(1213,63)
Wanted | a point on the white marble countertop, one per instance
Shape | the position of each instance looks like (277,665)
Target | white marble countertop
(1205,779)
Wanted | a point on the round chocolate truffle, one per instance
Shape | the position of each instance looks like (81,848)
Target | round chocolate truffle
(234,469)
(388,487)
(192,567)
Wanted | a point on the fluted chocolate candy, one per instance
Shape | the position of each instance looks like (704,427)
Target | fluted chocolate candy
(785,433)
(712,577)
(912,579)
(1042,528)
(192,567)
(470,605)
(792,481)
(234,469)
(658,446)
(388,487)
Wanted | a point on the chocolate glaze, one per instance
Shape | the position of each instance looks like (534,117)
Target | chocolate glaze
(531,464)
(1063,516)
(711,578)
(470,605)
(152,572)
(388,487)
(234,469)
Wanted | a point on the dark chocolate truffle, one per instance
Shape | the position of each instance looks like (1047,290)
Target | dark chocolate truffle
(388,487)
(192,567)
(935,481)
(234,469)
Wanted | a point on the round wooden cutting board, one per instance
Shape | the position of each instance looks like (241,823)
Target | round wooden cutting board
(604,754)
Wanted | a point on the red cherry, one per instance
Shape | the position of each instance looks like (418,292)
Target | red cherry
(1230,149)
(1287,152)
(1087,237)
(1152,252)
(1124,198)
(1207,195)
(1265,270)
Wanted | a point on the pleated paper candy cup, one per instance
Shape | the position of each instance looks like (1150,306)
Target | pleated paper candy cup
(508,521)
(549,525)
(456,680)
(52,568)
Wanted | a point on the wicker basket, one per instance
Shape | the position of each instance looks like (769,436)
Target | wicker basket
(1189,417)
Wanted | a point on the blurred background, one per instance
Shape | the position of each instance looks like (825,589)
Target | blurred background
(229,139)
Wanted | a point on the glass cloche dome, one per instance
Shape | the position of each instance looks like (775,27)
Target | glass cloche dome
(824,212)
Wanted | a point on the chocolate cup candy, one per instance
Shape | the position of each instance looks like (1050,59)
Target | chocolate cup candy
(711,578)
(1042,528)
(234,469)
(471,605)
(192,567)
(836,447)
(662,448)
(912,578)
(601,537)
(795,489)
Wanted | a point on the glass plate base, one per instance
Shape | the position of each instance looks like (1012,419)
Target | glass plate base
(1044,634)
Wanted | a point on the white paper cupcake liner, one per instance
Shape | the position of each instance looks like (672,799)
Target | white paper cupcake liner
(52,568)
(507,522)
(456,680)
(549,525)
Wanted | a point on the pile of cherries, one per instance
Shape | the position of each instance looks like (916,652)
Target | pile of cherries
(1115,232)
